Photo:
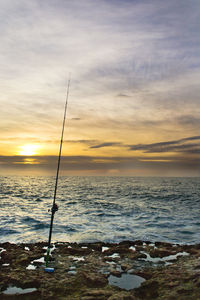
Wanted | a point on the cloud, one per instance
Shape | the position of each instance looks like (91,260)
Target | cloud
(189,120)
(101,165)
(106,144)
(135,72)
(76,119)
(122,95)
(180,145)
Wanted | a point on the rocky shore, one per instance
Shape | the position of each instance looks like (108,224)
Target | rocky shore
(129,270)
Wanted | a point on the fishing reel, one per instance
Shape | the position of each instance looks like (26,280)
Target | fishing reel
(54,208)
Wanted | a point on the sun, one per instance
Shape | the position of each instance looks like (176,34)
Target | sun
(29,149)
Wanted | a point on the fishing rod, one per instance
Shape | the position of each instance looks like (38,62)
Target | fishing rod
(54,205)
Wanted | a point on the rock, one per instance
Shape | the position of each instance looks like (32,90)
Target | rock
(75,251)
(127,243)
(197,267)
(163,244)
(147,242)
(99,297)
(6,257)
(148,290)
(161,252)
(8,246)
(96,246)
(192,251)
(116,273)
(122,296)
(22,259)
(172,284)
(94,279)
(139,248)
(125,267)
(181,280)
(96,294)
(139,255)
(138,242)
(122,250)
(144,274)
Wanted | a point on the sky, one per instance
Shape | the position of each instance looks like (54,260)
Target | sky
(134,100)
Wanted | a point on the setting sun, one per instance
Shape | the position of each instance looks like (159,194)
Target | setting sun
(29,149)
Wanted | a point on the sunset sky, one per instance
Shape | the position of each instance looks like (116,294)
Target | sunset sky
(134,101)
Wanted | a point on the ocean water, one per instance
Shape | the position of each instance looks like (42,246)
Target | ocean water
(110,209)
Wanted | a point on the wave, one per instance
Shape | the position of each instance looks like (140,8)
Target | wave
(7,231)
(110,208)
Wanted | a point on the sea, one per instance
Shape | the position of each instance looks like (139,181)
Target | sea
(107,209)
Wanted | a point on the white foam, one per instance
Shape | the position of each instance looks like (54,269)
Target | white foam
(31,267)
(40,260)
(164,259)
(168,263)
(81,258)
(173,257)
(72,272)
(12,290)
(111,262)
(51,249)
(132,248)
(114,255)
(153,245)
(2,250)
(104,249)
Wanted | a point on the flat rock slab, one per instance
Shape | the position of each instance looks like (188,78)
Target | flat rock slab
(83,271)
